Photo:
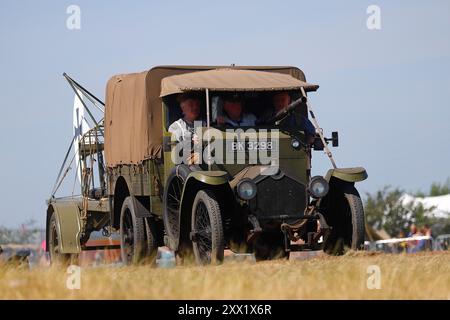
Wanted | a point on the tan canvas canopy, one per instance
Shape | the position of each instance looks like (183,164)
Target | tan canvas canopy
(230,79)
(133,113)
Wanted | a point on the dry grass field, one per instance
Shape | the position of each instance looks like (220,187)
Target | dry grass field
(405,276)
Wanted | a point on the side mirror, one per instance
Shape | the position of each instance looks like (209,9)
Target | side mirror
(335,139)
(318,145)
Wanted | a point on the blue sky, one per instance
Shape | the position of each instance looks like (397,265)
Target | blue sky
(386,91)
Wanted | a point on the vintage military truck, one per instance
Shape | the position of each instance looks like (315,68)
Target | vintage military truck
(229,197)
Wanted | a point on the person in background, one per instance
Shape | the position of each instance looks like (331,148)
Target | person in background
(427,230)
(415,245)
(402,245)
(425,244)
(412,230)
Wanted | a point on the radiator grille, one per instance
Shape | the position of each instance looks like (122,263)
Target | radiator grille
(277,197)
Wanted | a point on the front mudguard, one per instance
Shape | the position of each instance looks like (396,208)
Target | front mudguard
(68,225)
(340,177)
(350,175)
(213,178)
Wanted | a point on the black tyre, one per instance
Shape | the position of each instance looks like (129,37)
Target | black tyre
(346,217)
(151,239)
(56,257)
(207,231)
(133,238)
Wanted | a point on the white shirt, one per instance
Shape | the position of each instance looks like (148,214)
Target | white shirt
(182,130)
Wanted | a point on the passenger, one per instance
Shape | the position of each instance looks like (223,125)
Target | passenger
(280,101)
(183,129)
(234,114)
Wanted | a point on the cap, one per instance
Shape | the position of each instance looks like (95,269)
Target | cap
(188,95)
(232,97)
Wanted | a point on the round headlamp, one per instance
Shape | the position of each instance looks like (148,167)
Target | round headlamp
(246,189)
(295,144)
(318,187)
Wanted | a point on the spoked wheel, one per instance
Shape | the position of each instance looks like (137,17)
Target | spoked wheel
(207,231)
(133,244)
(56,257)
(348,227)
(175,229)
(172,207)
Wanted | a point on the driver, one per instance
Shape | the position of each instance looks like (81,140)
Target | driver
(280,101)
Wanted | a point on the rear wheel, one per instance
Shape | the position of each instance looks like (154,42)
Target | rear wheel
(207,231)
(151,237)
(345,214)
(133,242)
(56,257)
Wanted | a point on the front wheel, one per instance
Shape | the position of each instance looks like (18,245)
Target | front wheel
(345,213)
(207,231)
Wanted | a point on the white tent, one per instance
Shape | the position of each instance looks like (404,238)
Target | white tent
(440,205)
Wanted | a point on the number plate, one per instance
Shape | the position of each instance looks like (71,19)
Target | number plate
(248,146)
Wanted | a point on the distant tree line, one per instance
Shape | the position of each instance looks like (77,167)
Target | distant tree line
(28,233)
(385,210)
(436,189)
